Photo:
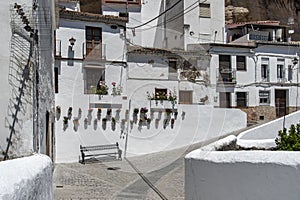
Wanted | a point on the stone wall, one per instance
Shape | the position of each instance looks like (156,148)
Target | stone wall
(260,113)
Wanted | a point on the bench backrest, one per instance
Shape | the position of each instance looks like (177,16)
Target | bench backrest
(99,147)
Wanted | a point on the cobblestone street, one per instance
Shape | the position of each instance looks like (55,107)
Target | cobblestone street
(152,176)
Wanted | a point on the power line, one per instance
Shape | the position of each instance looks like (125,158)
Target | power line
(174,17)
(156,16)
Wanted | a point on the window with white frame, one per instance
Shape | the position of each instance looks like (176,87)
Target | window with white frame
(241,99)
(264,97)
(241,63)
(92,78)
(290,73)
(280,71)
(204,10)
(265,75)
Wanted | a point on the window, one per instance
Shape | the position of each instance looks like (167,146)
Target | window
(93,37)
(241,99)
(161,93)
(265,72)
(290,73)
(56,79)
(172,66)
(185,97)
(224,61)
(123,1)
(264,97)
(204,9)
(280,71)
(92,78)
(241,63)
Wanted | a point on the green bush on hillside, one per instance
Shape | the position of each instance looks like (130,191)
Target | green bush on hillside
(289,140)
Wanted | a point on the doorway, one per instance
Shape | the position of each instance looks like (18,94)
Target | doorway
(281,102)
(225,99)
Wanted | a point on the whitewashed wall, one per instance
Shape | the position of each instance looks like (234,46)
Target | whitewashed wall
(26,178)
(198,123)
(237,175)
(112,39)
(204,28)
(270,130)
(23,139)
(153,34)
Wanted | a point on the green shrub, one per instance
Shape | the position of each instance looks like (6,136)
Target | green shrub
(289,141)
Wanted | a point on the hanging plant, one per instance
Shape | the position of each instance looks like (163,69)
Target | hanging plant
(66,120)
(172,122)
(104,120)
(136,111)
(108,112)
(113,123)
(70,112)
(175,114)
(58,109)
(168,111)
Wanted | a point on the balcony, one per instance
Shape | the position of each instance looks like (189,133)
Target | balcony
(226,80)
(226,76)
(94,52)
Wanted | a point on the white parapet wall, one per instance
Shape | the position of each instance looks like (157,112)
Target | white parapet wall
(238,175)
(263,136)
(26,178)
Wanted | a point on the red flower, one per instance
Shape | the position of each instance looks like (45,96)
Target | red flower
(113,83)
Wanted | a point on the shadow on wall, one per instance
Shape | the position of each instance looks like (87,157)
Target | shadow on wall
(20,80)
(70,56)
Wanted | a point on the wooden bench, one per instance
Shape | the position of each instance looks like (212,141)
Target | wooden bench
(100,150)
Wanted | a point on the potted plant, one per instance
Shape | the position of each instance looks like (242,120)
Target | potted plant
(70,112)
(113,123)
(172,122)
(86,123)
(102,89)
(66,120)
(58,109)
(79,113)
(58,112)
(168,111)
(76,123)
(104,120)
(108,112)
(175,114)
(136,111)
(148,123)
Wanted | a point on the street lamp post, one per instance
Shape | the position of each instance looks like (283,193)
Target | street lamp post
(295,62)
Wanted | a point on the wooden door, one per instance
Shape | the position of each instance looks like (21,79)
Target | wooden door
(93,42)
(225,99)
(185,97)
(280,102)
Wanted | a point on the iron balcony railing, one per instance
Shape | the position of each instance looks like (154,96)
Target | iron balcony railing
(226,76)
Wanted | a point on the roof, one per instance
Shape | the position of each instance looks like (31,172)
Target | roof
(91,17)
(265,23)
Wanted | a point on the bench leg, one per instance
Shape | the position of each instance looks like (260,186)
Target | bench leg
(82,156)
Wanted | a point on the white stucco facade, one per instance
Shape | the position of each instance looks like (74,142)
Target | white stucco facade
(24,61)
(182,24)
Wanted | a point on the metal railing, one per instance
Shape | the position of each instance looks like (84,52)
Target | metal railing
(226,76)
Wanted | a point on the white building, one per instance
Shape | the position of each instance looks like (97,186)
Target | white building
(258,71)
(184,22)
(27,100)
(91,49)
